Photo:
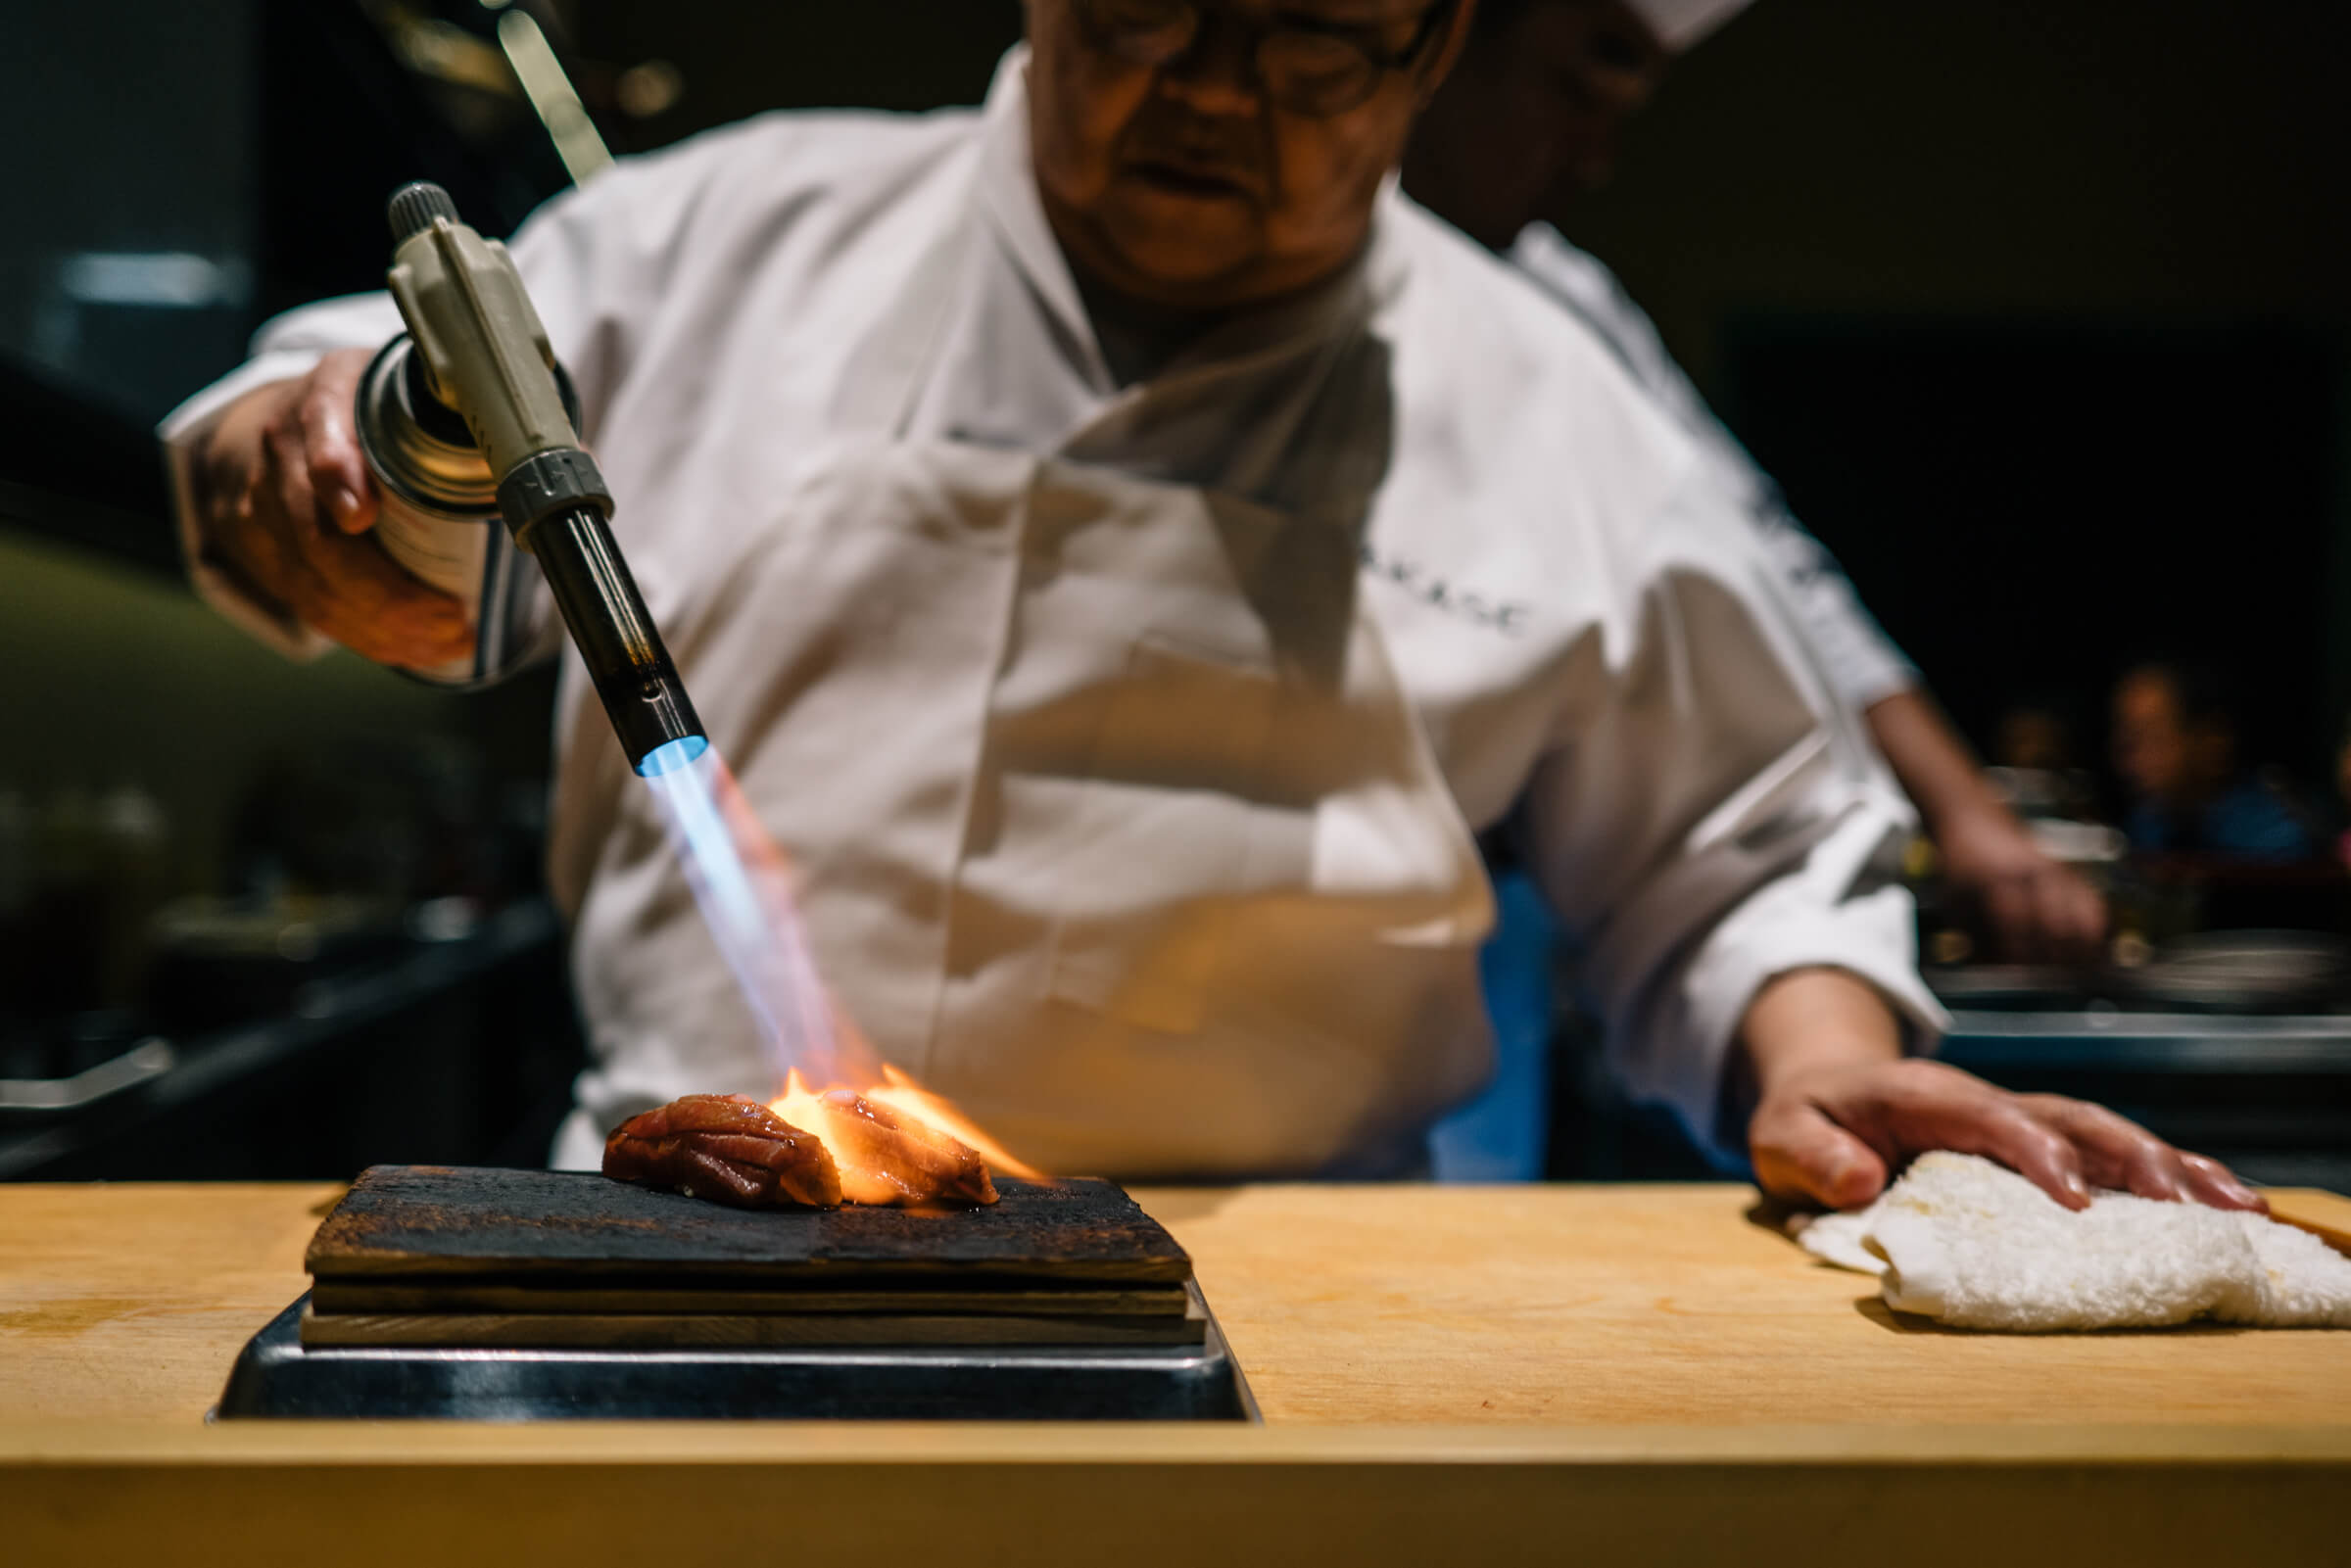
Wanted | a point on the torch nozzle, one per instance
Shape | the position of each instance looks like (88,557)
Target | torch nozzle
(487,356)
(600,607)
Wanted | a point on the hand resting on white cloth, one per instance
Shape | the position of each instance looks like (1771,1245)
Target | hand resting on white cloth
(1965,1242)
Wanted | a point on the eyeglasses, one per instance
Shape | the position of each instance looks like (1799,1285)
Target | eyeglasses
(1308,68)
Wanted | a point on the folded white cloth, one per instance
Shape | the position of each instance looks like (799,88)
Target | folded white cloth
(1976,1246)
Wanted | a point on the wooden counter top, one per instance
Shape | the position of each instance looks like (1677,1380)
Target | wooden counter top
(1447,1374)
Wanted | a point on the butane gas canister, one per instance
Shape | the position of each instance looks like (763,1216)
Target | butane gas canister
(439,515)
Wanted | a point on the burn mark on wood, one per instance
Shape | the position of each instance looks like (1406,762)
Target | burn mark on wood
(443,1221)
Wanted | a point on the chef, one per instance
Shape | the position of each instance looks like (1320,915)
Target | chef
(1126,551)
(1554,81)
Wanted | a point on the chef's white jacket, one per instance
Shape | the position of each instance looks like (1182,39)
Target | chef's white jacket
(1862,663)
(1129,740)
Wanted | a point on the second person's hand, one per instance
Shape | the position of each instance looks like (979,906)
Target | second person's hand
(2040,910)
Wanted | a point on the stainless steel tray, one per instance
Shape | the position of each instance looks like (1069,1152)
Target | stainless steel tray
(275,1376)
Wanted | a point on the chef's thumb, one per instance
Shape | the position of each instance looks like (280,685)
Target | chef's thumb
(1801,1156)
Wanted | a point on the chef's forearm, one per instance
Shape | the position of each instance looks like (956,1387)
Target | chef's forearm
(1804,1019)
(1933,764)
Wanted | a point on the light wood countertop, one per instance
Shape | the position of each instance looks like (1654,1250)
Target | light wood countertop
(1447,1374)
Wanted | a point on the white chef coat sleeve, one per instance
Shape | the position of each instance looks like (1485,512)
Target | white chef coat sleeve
(1705,822)
(1863,665)
(580,281)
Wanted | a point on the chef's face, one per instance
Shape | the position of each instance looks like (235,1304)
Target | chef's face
(1207,155)
(1530,119)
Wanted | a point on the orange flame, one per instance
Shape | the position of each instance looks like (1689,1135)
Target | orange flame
(742,882)
(806,1107)
(902,1094)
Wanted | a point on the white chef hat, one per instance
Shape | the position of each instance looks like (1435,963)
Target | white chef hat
(1679,24)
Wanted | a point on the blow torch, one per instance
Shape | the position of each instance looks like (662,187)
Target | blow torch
(466,419)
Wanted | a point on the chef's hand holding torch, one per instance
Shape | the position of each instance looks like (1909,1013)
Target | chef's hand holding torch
(473,382)
(287,503)
(1833,1111)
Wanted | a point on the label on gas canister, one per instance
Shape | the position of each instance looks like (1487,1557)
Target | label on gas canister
(469,559)
(439,516)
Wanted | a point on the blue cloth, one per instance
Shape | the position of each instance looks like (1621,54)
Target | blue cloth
(2249,822)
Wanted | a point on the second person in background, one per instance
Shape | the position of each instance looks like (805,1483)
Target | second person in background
(1530,121)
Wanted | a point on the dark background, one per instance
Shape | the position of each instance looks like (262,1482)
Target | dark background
(2037,308)
(2040,311)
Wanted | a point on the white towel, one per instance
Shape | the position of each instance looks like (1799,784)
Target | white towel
(1976,1246)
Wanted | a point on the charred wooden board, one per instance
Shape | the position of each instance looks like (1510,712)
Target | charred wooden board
(702,1329)
(368,1294)
(432,1223)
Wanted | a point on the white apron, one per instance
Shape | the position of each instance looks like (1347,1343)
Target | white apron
(1112,820)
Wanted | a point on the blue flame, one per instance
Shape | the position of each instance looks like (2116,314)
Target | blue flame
(739,879)
(672,755)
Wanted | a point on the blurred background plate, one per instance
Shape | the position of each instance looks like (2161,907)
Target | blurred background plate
(2244,972)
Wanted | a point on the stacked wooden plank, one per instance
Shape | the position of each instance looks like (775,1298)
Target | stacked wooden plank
(441,1255)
